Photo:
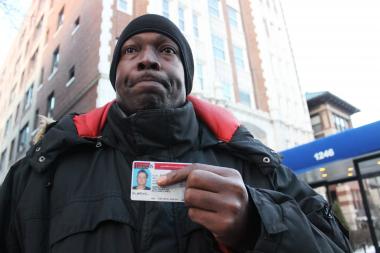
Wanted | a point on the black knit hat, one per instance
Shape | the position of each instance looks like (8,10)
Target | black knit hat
(162,25)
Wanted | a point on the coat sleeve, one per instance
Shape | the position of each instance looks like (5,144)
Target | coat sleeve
(294,218)
(10,192)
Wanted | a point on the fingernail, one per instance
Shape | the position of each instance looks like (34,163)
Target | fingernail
(161,179)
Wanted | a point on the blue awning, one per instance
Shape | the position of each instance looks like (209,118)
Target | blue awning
(348,144)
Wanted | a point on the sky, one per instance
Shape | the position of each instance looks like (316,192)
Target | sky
(336,45)
(12,14)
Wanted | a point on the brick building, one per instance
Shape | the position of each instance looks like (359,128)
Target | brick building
(329,114)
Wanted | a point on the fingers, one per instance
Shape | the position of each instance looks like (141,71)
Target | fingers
(214,222)
(205,200)
(219,204)
(204,217)
(174,177)
(205,180)
(216,197)
(182,174)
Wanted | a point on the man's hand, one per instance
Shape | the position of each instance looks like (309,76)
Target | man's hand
(217,199)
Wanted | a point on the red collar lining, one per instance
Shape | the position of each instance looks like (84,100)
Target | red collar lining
(221,122)
(91,124)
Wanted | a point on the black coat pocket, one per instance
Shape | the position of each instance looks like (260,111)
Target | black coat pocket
(93,225)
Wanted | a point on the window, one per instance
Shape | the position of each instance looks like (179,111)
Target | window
(33,60)
(76,25)
(238,55)
(50,105)
(71,76)
(34,56)
(12,95)
(227,90)
(41,80)
(199,74)
(36,119)
(195,25)
(2,160)
(233,17)
(11,150)
(47,36)
(316,123)
(268,4)
(55,61)
(266,27)
(23,139)
(122,5)
(213,7)
(244,98)
(17,112)
(340,123)
(17,65)
(181,17)
(274,6)
(7,125)
(22,77)
(165,8)
(28,98)
(39,26)
(218,47)
(60,18)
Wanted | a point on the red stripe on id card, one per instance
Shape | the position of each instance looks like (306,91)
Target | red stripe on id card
(170,166)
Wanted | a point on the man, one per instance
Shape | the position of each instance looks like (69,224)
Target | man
(141,180)
(72,191)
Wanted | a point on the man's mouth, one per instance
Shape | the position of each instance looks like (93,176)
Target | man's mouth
(150,78)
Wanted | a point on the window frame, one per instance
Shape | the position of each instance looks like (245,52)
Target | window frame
(195,25)
(181,17)
(218,47)
(213,8)
(245,94)
(233,21)
(71,76)
(128,8)
(60,18)
(165,8)
(76,25)
(49,107)
(28,97)
(3,160)
(199,75)
(55,61)
(23,138)
(318,126)
(239,57)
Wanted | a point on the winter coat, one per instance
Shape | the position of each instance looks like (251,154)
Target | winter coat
(71,193)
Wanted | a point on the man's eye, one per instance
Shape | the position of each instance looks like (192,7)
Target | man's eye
(168,50)
(130,50)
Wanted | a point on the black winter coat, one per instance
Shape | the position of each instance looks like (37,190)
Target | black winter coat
(71,193)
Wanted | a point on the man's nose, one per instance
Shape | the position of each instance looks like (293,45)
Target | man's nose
(149,60)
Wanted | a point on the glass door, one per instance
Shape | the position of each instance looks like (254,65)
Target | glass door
(347,204)
(372,191)
(370,173)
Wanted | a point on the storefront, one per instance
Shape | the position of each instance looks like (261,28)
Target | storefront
(345,169)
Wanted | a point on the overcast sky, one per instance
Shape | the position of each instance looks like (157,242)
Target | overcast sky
(336,45)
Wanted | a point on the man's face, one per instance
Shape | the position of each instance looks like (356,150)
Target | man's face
(150,74)
(141,179)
